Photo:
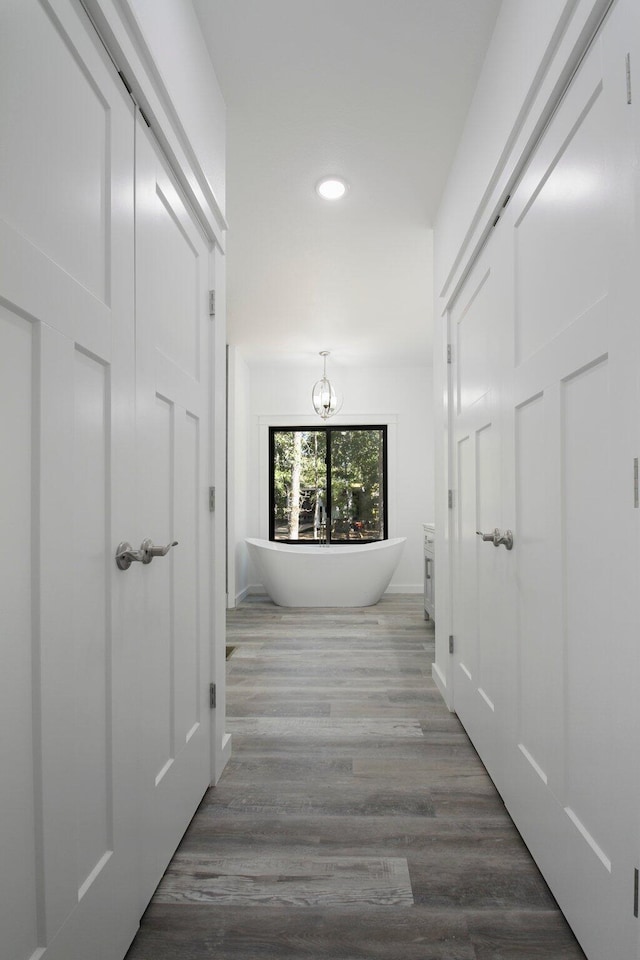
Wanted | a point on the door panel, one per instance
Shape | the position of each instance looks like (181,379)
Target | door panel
(18,887)
(586,430)
(540,675)
(472,334)
(561,233)
(490,595)
(173,329)
(90,571)
(467,589)
(70,113)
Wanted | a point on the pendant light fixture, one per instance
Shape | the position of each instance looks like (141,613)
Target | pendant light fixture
(323,395)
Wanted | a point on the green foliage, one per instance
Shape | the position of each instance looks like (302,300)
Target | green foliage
(356,483)
(313,469)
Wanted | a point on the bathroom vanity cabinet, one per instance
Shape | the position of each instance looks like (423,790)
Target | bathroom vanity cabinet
(429,571)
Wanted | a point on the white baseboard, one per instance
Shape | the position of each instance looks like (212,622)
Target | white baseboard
(222,758)
(241,596)
(405,588)
(257,589)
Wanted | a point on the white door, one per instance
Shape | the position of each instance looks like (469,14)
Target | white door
(574,436)
(564,746)
(483,607)
(173,330)
(67,682)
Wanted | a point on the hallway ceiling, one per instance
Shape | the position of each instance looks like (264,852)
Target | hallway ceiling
(373,90)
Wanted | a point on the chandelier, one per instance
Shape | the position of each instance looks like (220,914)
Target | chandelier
(323,395)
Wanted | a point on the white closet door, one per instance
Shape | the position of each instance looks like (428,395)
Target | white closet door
(561,732)
(574,412)
(67,682)
(173,330)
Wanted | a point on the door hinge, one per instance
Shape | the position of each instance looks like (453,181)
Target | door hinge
(212,303)
(212,696)
(449,351)
(450,499)
(212,499)
(126,84)
(636,884)
(450,643)
(628,73)
(636,491)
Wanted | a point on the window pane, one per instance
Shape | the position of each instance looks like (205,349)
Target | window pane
(299,484)
(303,495)
(357,485)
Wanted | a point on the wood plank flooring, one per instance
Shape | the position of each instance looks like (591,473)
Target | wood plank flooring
(354,820)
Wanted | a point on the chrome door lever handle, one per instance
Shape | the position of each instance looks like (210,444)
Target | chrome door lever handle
(504,537)
(149,551)
(125,555)
(498,537)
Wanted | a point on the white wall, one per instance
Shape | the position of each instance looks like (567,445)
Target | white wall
(172,34)
(238,475)
(280,394)
(518,48)
(159,48)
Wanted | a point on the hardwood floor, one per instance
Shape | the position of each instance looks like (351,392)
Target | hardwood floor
(354,820)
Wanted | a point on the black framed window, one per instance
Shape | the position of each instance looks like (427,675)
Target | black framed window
(328,484)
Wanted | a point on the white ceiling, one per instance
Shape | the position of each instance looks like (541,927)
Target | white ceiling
(373,90)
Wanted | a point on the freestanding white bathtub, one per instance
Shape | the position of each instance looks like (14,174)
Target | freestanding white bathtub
(313,575)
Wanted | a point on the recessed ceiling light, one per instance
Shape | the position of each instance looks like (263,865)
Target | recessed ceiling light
(332,188)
